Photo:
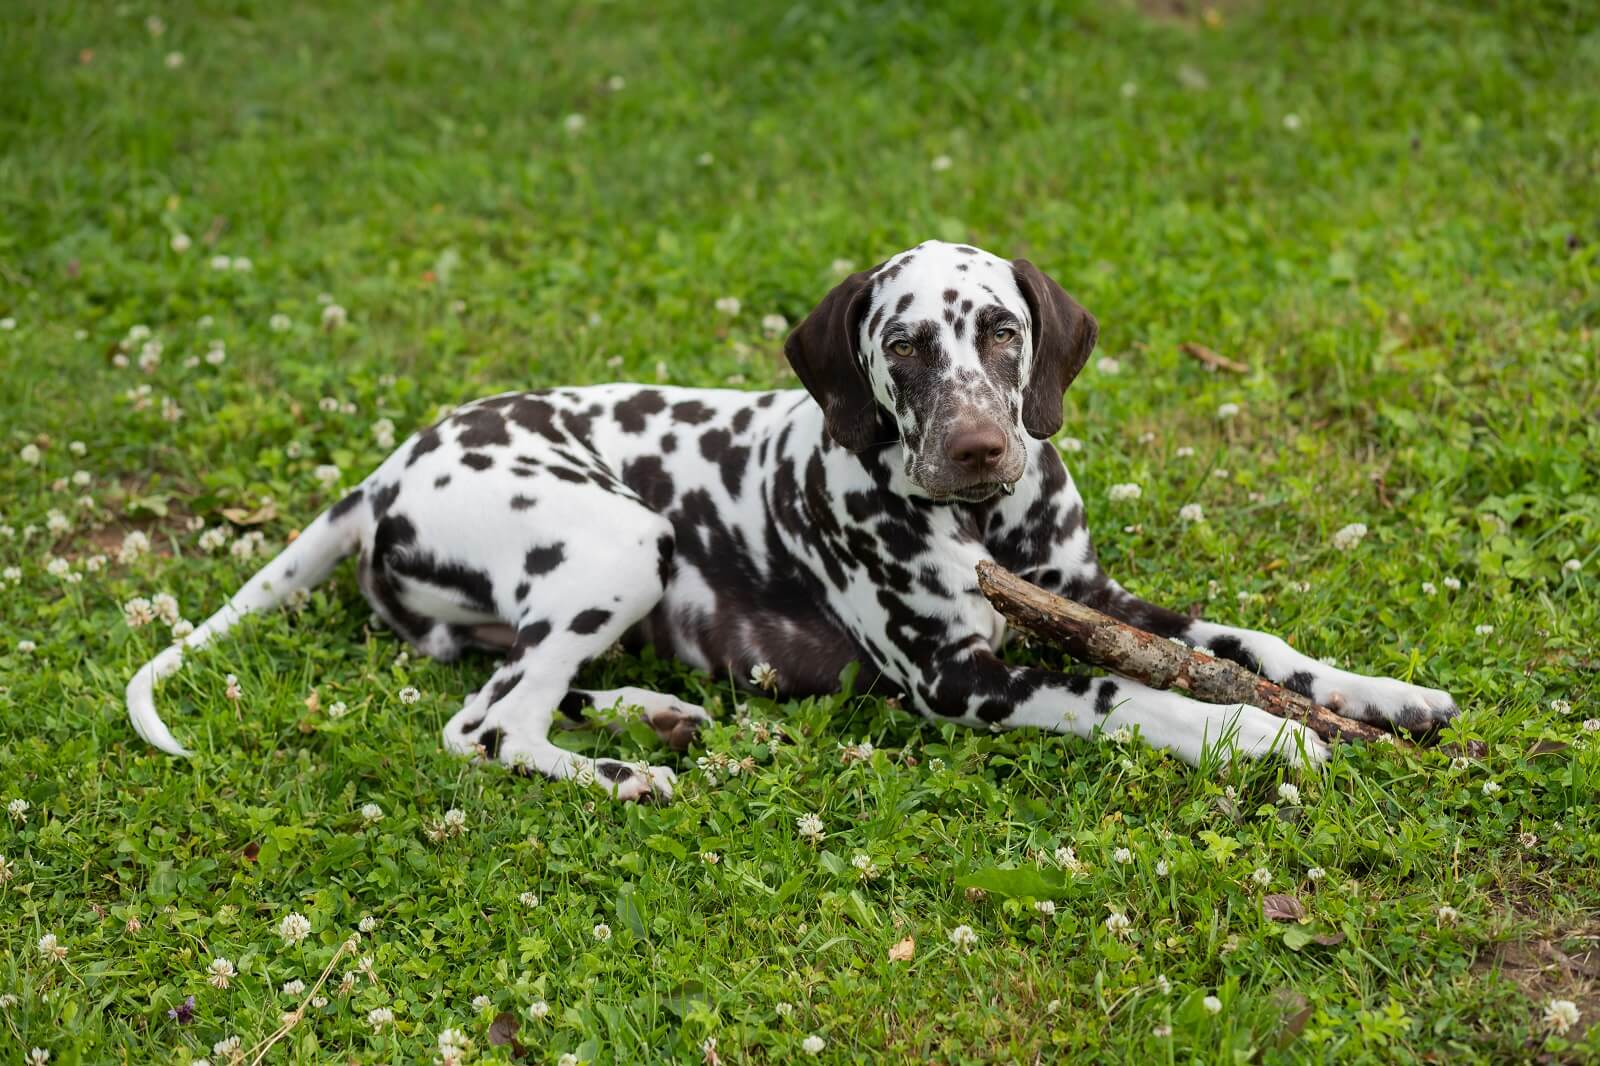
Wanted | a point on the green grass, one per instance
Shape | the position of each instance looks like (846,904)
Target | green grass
(1410,275)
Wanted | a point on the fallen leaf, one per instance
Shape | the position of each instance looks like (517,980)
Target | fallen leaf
(903,951)
(251,850)
(1211,358)
(1547,747)
(241,517)
(503,1033)
(1296,1013)
(1282,908)
(313,702)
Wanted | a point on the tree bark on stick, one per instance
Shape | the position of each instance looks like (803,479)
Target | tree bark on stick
(1100,640)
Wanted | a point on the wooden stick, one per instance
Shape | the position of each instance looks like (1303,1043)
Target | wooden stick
(1100,640)
(1211,358)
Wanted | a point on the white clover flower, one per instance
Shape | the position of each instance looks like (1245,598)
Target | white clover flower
(1446,915)
(7,871)
(1491,787)
(226,1048)
(1291,122)
(279,323)
(1108,365)
(1483,630)
(165,606)
(813,1044)
(1162,868)
(774,324)
(574,123)
(217,354)
(378,1017)
(338,710)
(1070,444)
(1591,725)
(220,972)
(134,545)
(1046,907)
(1452,583)
(18,809)
(1561,1014)
(1124,491)
(367,923)
(1129,90)
(455,820)
(58,567)
(538,1010)
(942,163)
(764,676)
(1571,566)
(1227,411)
(1122,856)
(602,932)
(1163,984)
(841,266)
(1288,793)
(1429,588)
(528,899)
(1316,873)
(810,827)
(294,928)
(38,1056)
(211,540)
(180,242)
(30,454)
(1184,452)
(1117,923)
(728,305)
(231,688)
(1261,876)
(1347,538)
(7,324)
(383,433)
(242,265)
(409,695)
(11,573)
(371,814)
(8,1000)
(51,949)
(1191,512)
(296,987)
(1120,735)
(334,316)
(963,937)
(327,474)
(1212,1004)
(138,612)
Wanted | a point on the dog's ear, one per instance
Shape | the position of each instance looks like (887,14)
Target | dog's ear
(1063,336)
(824,351)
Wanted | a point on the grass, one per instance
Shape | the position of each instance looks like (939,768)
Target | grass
(1409,272)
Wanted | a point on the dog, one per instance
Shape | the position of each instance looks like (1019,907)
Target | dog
(785,533)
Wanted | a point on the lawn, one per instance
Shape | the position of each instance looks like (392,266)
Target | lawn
(242,244)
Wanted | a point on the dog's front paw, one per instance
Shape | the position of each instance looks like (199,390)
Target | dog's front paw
(1384,700)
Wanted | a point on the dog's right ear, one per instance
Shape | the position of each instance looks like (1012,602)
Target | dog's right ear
(825,352)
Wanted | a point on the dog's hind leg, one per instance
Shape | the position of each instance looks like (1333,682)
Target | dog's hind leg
(573,612)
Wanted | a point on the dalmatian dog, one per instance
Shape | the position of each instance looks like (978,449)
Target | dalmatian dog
(804,530)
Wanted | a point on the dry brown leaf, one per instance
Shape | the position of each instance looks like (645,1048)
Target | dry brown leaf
(1279,907)
(903,951)
(1211,358)
(241,517)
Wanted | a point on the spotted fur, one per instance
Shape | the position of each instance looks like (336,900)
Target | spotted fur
(806,530)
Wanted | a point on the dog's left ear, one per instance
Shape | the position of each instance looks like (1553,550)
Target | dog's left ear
(825,352)
(1063,336)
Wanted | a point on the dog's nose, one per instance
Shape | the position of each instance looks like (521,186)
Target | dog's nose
(976,449)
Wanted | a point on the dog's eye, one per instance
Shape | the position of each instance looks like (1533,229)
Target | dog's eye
(902,348)
(1004,334)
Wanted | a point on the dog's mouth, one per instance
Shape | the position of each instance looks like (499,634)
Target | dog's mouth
(978,493)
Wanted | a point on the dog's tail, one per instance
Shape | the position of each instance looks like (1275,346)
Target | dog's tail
(305,563)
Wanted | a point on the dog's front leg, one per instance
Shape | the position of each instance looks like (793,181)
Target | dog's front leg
(968,683)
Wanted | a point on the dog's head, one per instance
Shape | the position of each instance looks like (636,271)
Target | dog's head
(951,352)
